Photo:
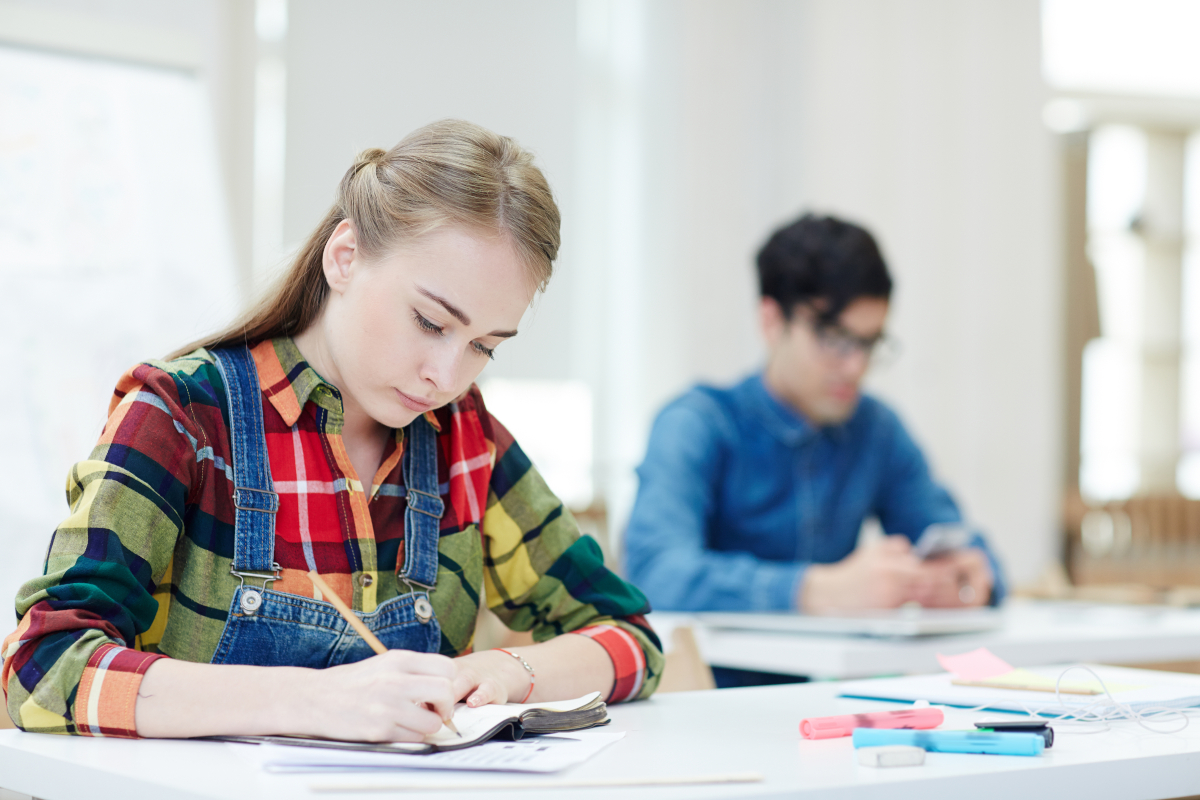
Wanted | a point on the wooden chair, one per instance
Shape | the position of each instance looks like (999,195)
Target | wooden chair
(685,670)
(1150,541)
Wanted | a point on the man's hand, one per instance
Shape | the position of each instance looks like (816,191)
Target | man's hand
(959,579)
(881,575)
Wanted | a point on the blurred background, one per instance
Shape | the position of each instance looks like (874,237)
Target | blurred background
(1030,168)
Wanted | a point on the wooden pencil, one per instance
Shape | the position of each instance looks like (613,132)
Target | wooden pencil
(356,623)
(347,614)
(984,684)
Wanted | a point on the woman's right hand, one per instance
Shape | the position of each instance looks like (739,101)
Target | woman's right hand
(399,696)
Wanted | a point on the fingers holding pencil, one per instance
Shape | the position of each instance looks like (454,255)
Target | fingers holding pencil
(400,696)
(371,639)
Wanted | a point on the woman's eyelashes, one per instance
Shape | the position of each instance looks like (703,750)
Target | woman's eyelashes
(430,327)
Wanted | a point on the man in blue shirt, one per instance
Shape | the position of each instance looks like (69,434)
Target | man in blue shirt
(751,497)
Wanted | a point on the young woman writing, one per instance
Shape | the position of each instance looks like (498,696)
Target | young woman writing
(334,428)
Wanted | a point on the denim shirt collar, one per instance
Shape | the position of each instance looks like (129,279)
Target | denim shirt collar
(785,423)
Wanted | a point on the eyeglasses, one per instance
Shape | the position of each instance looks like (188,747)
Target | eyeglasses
(839,343)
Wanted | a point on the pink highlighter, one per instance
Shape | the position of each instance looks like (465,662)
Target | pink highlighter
(833,727)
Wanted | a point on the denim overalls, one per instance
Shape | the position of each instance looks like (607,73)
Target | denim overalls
(269,628)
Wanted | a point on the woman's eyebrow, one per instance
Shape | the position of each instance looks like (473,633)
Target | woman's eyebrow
(454,310)
(458,314)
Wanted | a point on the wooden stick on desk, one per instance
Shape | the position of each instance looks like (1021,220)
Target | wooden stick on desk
(358,625)
(581,783)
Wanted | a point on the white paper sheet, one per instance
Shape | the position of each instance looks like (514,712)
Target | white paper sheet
(536,754)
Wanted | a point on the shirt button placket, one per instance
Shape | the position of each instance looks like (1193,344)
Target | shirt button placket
(806,507)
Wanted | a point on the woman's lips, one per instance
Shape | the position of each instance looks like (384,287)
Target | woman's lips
(413,404)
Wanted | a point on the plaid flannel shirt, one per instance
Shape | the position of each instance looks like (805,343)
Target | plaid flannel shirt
(140,568)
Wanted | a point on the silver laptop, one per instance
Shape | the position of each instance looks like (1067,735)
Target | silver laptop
(900,622)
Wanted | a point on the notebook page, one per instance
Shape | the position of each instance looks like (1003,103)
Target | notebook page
(475,722)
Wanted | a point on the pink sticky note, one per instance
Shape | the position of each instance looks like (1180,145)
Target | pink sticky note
(977,665)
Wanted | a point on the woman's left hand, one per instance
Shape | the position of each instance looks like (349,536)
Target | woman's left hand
(487,677)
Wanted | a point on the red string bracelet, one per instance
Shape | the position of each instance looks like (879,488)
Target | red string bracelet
(529,669)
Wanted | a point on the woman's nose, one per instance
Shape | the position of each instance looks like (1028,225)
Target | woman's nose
(440,366)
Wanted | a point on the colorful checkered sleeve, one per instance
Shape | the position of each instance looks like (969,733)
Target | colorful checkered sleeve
(68,667)
(628,657)
(99,703)
(108,691)
(541,575)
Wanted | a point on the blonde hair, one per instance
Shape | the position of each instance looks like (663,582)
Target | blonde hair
(447,172)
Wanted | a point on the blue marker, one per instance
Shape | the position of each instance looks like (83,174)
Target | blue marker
(997,744)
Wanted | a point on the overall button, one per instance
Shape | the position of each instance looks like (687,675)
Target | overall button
(251,601)
(365,580)
(423,609)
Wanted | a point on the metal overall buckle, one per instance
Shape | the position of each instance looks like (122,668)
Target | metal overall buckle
(421,510)
(252,598)
(238,505)
(421,606)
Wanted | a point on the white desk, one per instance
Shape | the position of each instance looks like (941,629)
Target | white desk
(681,734)
(1033,633)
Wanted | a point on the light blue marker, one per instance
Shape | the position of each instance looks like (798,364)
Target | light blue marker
(997,744)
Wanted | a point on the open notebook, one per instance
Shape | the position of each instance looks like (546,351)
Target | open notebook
(506,721)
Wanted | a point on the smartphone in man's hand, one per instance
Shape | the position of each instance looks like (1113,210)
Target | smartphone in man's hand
(940,539)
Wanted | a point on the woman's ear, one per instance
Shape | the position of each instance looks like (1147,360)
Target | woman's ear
(340,256)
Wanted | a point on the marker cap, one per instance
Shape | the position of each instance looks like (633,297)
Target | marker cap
(892,755)
(1045,731)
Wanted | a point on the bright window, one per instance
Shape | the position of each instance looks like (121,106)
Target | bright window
(1189,465)
(1109,438)
(552,421)
(114,248)
(1138,47)
(1112,50)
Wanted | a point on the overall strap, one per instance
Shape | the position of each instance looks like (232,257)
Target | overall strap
(422,519)
(254,496)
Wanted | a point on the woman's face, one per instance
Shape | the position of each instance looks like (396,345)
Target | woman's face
(412,330)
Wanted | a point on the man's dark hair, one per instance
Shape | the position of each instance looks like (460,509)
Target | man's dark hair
(821,260)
